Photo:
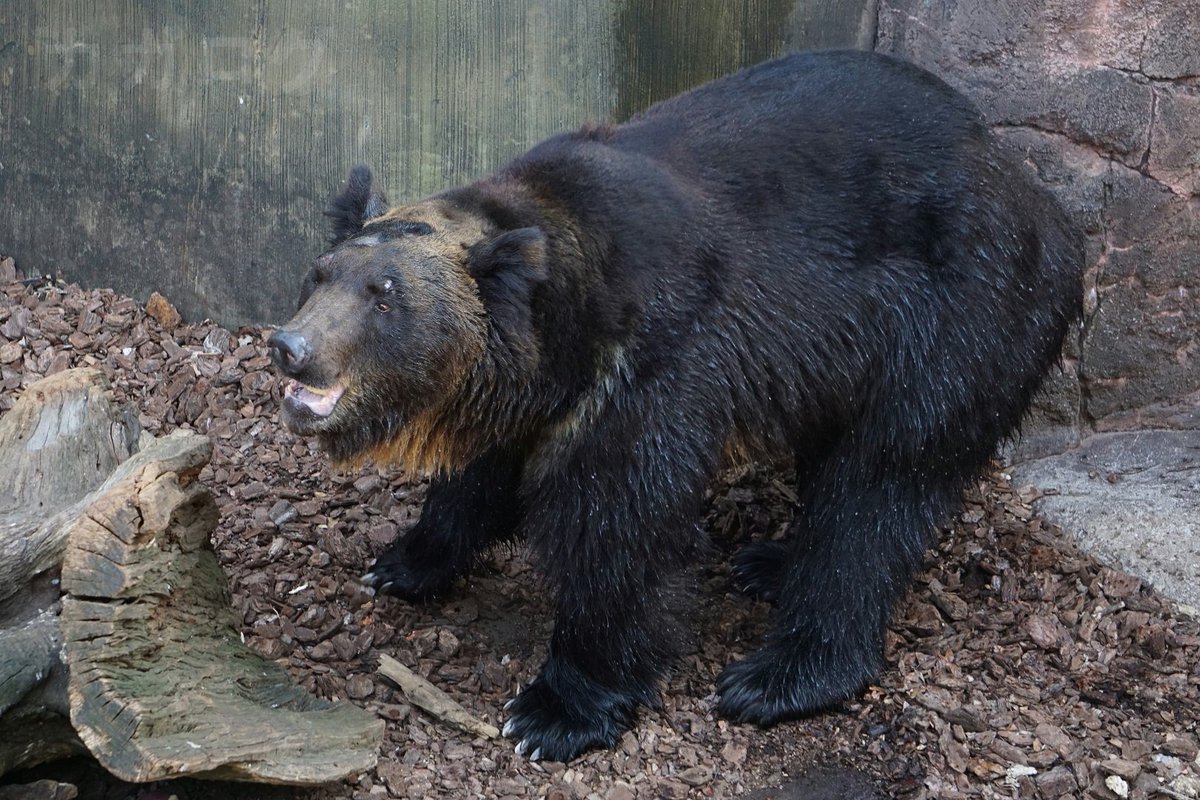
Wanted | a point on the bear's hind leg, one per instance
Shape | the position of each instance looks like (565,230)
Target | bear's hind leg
(859,535)
(463,515)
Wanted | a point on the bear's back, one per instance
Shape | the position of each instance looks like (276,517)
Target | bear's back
(820,93)
(867,149)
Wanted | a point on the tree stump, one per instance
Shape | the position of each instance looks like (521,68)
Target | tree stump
(137,656)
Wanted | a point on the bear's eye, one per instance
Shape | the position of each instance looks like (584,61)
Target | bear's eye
(379,292)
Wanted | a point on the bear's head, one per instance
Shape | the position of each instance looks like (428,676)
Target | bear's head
(403,321)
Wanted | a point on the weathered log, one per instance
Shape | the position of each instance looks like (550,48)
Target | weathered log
(60,441)
(156,681)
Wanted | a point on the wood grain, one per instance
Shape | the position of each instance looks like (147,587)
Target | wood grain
(145,665)
(161,683)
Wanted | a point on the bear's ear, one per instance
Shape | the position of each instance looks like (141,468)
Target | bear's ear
(507,267)
(511,257)
(354,205)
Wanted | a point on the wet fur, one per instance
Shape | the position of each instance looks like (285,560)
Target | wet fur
(822,257)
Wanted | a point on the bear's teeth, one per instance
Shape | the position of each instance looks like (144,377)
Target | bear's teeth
(320,402)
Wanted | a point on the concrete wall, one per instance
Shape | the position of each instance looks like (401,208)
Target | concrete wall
(1101,98)
(190,148)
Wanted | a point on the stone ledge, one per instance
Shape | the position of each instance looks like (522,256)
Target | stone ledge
(1133,500)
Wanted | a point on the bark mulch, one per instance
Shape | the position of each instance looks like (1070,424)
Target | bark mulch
(1018,667)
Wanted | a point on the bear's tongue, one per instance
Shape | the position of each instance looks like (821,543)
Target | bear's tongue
(319,401)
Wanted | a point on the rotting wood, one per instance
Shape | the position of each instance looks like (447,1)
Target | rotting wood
(160,679)
(432,700)
(61,440)
(157,681)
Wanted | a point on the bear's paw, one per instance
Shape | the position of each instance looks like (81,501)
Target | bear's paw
(775,684)
(392,573)
(552,727)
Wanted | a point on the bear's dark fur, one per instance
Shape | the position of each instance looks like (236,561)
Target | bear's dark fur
(822,258)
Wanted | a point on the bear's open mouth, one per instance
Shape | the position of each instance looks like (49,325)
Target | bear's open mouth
(319,402)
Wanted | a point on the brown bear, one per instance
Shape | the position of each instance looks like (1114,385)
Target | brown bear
(823,257)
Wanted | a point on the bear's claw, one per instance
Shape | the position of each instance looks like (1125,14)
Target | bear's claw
(550,727)
(391,575)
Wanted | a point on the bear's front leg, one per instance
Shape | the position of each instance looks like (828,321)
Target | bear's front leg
(463,515)
(612,643)
(613,538)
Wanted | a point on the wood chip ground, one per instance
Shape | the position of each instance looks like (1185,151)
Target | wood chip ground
(1017,668)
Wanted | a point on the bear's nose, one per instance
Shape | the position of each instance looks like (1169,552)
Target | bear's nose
(290,351)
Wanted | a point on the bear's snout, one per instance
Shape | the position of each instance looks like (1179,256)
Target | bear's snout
(290,351)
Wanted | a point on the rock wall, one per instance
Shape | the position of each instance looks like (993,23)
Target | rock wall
(1102,99)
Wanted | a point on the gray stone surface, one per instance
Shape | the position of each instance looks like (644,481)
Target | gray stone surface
(822,783)
(1133,500)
